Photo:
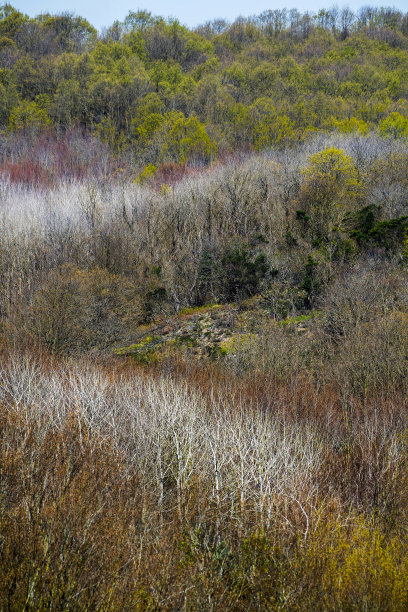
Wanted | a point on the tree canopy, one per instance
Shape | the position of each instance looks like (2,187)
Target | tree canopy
(266,81)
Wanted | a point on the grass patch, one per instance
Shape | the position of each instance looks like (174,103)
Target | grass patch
(198,309)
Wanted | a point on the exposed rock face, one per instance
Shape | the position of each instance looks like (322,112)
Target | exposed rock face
(207,331)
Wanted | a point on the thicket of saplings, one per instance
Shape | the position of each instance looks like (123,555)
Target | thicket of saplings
(270,477)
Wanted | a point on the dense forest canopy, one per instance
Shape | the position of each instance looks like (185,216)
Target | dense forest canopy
(167,93)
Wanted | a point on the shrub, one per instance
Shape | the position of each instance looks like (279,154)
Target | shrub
(242,273)
(79,309)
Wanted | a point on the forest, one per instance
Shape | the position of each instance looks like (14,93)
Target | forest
(204,312)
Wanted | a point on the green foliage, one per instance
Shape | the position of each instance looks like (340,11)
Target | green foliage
(8,100)
(208,275)
(6,43)
(302,217)
(28,116)
(150,124)
(150,104)
(311,282)
(389,234)
(363,221)
(144,352)
(350,126)
(147,173)
(139,20)
(242,272)
(405,247)
(267,127)
(334,167)
(70,33)
(197,309)
(330,193)
(154,300)
(188,140)
(68,103)
(248,87)
(360,567)
(394,126)
(369,230)
(11,21)
(234,273)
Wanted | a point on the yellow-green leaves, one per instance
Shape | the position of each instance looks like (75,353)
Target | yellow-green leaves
(331,191)
(334,167)
(148,172)
(28,115)
(351,126)
(176,137)
(188,139)
(394,126)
